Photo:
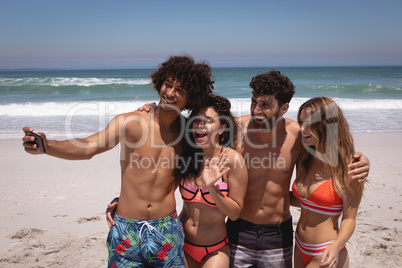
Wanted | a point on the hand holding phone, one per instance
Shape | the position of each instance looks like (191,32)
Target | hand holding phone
(38,141)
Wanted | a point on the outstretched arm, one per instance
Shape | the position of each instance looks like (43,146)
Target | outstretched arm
(76,149)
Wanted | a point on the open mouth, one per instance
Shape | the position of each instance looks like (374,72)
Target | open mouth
(259,119)
(200,135)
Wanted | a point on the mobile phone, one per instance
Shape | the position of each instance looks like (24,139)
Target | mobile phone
(38,141)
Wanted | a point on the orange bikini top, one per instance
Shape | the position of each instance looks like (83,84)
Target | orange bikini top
(324,200)
(190,193)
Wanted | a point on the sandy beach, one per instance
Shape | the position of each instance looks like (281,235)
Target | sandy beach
(53,210)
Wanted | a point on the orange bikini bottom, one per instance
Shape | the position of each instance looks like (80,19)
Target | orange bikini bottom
(199,252)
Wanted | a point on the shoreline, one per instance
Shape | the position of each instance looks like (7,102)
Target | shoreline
(53,210)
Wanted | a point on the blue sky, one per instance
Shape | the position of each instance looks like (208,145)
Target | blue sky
(135,34)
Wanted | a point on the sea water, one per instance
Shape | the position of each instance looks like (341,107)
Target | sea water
(81,102)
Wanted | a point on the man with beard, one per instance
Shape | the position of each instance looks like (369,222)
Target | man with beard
(270,145)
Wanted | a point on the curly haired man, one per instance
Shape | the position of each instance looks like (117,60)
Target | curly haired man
(151,145)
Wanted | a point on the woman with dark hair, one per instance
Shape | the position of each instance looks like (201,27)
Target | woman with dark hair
(215,185)
(323,188)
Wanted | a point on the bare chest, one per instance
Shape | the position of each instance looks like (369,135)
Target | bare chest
(267,159)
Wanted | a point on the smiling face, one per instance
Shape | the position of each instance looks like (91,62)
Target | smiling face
(207,127)
(173,95)
(265,110)
(308,138)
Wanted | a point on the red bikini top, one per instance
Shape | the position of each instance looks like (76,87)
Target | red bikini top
(324,200)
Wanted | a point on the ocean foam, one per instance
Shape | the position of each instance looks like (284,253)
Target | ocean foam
(239,106)
(82,118)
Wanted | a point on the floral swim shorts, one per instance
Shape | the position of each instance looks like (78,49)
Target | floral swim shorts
(154,243)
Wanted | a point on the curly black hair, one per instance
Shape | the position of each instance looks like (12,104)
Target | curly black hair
(273,83)
(196,78)
(222,106)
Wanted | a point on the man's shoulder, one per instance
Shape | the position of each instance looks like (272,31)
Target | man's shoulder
(244,117)
(134,119)
(292,126)
(135,114)
(243,120)
(232,153)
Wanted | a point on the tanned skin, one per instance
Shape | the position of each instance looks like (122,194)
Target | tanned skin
(270,146)
(143,137)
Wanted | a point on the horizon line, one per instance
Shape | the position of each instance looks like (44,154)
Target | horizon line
(216,67)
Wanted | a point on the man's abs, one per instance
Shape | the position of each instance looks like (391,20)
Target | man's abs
(266,205)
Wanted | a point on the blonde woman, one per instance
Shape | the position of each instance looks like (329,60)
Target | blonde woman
(323,188)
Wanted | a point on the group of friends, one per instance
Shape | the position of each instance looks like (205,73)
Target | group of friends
(233,175)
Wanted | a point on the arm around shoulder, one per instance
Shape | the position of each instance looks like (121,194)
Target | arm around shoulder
(360,168)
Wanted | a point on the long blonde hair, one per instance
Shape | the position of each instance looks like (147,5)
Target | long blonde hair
(335,147)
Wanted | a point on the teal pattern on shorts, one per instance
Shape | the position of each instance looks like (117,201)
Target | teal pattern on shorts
(153,243)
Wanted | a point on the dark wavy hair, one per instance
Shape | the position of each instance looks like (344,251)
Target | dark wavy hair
(273,83)
(196,78)
(222,106)
(192,153)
